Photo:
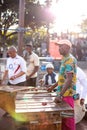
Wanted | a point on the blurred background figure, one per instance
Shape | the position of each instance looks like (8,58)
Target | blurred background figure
(81,85)
(32,66)
(79,52)
(50,77)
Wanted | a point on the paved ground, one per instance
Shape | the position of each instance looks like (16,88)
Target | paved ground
(82,125)
(8,124)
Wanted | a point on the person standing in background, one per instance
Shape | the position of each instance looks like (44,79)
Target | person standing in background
(32,66)
(15,68)
(81,85)
(79,51)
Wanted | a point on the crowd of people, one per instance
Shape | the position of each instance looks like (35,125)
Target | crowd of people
(79,49)
(70,80)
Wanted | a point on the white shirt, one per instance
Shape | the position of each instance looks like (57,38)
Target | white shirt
(32,61)
(81,85)
(15,66)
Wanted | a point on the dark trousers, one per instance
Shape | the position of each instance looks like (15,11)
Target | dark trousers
(19,84)
(31,82)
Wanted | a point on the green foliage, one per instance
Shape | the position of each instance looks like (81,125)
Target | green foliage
(37,15)
(9,4)
(8,18)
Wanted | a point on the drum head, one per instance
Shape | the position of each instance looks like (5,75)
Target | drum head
(79,111)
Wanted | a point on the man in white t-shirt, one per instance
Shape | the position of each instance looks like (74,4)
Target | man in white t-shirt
(81,85)
(32,66)
(15,68)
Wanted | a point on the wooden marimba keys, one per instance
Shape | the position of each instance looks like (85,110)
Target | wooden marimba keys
(35,108)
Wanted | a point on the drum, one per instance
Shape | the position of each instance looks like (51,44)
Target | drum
(79,111)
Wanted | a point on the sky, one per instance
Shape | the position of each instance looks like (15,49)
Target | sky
(69,13)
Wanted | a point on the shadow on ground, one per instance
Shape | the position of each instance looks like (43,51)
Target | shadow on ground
(7,123)
(82,125)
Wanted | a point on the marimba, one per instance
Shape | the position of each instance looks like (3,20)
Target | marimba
(34,109)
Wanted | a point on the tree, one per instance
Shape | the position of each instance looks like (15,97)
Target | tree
(37,15)
(84,26)
(8,18)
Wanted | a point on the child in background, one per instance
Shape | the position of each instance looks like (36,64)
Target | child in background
(50,77)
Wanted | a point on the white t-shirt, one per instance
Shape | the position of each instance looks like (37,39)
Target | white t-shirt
(32,61)
(81,85)
(15,66)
